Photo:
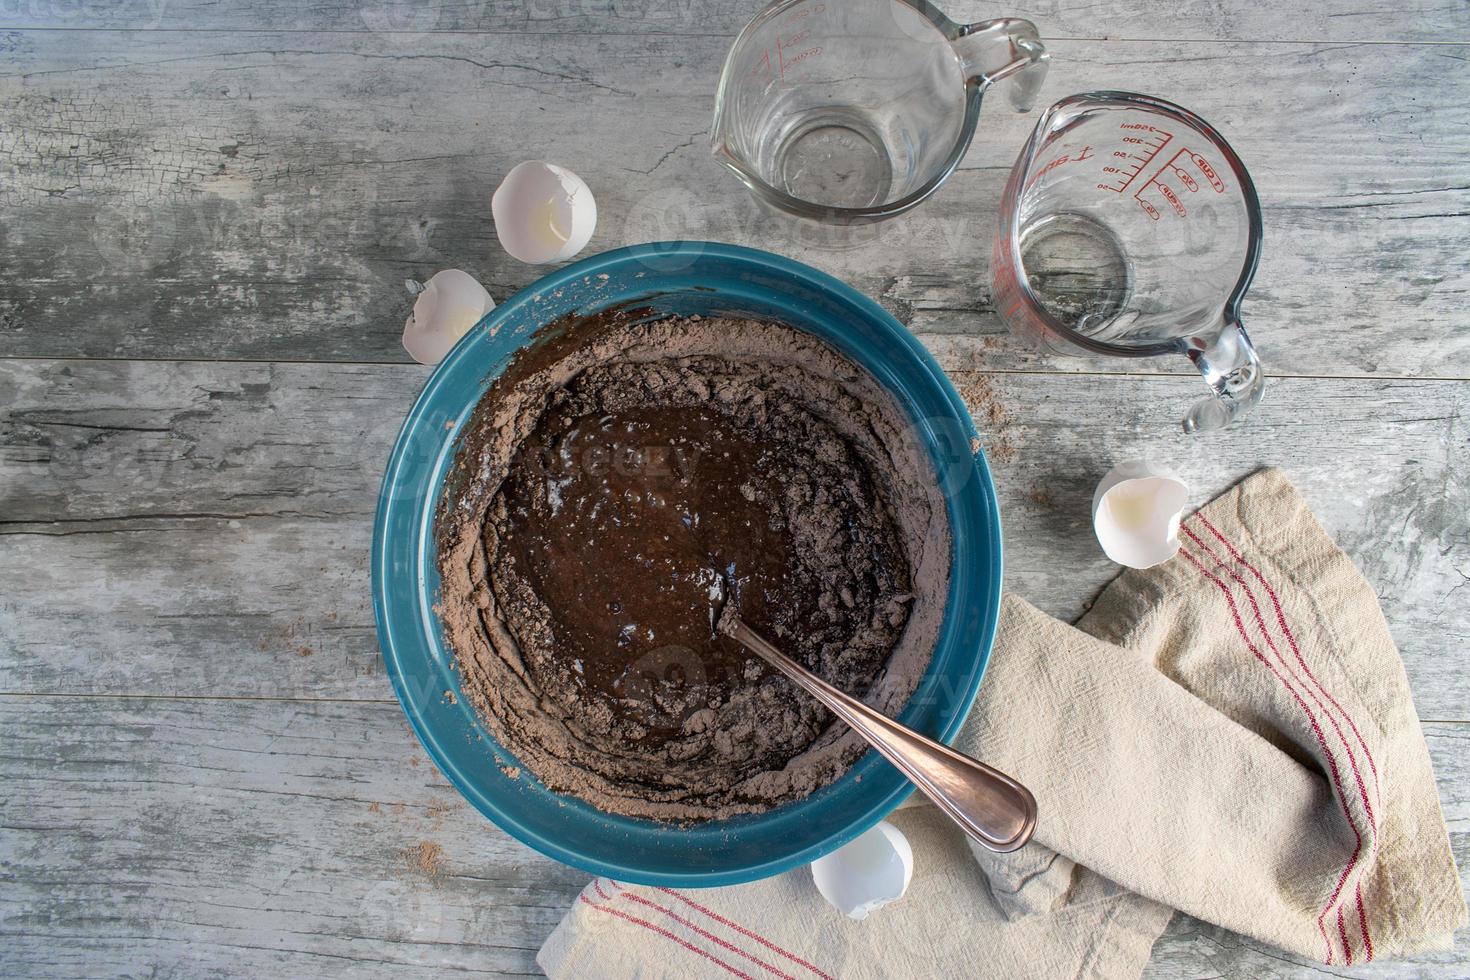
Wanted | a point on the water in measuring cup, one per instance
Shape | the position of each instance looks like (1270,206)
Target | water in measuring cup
(1078,271)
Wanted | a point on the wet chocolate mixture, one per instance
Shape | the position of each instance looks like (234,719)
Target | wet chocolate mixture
(624,482)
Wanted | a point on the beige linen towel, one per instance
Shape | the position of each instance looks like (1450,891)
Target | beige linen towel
(1230,734)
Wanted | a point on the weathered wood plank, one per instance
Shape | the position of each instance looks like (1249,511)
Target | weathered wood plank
(253,607)
(202,529)
(126,439)
(1339,20)
(229,837)
(193,528)
(265,195)
(215,838)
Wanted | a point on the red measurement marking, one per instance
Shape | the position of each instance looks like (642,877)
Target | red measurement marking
(1084,154)
(1173,199)
(783,45)
(786,58)
(1209,173)
(801,56)
(1175,167)
(1144,143)
(764,66)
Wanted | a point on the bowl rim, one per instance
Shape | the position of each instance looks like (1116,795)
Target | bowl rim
(655,253)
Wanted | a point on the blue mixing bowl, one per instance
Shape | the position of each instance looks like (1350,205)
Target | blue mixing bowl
(684,278)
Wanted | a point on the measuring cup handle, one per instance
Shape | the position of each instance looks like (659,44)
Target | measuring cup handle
(1229,365)
(993,50)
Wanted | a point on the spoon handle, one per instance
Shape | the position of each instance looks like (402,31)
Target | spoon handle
(990,806)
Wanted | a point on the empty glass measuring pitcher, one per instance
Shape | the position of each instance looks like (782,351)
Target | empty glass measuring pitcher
(1130,227)
(853,110)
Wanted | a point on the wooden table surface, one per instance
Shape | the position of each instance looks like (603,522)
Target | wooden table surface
(209,213)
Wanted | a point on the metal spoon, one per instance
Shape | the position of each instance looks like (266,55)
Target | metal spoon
(990,806)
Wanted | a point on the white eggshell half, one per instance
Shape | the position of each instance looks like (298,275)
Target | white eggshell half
(543,213)
(1135,514)
(451,303)
(867,873)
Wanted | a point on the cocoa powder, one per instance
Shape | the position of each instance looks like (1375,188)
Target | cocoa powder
(625,481)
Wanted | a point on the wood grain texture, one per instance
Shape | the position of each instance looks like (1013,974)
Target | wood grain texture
(1337,20)
(261,838)
(264,196)
(216,517)
(230,837)
(204,771)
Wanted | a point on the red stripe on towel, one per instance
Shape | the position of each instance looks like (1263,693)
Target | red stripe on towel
(745,932)
(705,933)
(1296,651)
(1363,923)
(1331,719)
(666,934)
(1316,729)
(1291,639)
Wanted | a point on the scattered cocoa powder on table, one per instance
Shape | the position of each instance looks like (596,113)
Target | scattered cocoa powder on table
(425,858)
(989,414)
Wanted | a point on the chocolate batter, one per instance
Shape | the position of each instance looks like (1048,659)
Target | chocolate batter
(624,482)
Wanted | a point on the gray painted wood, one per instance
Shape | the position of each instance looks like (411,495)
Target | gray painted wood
(267,837)
(204,771)
(1338,20)
(184,194)
(217,516)
(248,837)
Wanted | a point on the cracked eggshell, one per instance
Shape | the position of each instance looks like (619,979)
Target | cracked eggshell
(1136,512)
(450,304)
(867,873)
(543,213)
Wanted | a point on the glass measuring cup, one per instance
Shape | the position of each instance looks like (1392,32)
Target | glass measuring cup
(1130,227)
(855,110)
